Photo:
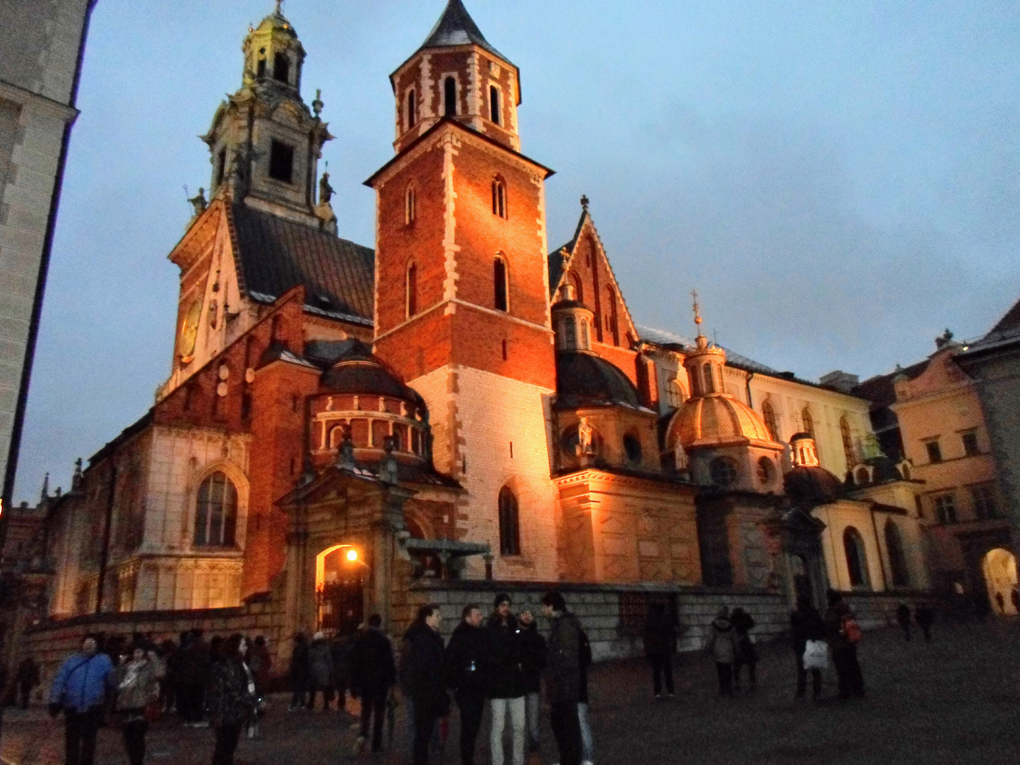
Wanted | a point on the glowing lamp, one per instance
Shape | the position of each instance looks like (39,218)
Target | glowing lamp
(352,555)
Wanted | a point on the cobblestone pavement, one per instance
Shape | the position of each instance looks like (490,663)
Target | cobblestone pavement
(956,700)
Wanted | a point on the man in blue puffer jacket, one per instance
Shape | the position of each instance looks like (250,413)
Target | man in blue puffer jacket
(79,689)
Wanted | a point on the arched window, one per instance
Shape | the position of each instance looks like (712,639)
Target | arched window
(674,394)
(499,197)
(281,68)
(856,560)
(706,370)
(808,422)
(509,523)
(585,337)
(450,97)
(569,333)
(766,471)
(575,280)
(412,289)
(216,515)
(848,442)
(412,109)
(769,415)
(410,204)
(897,558)
(614,326)
(632,448)
(494,111)
(722,471)
(500,284)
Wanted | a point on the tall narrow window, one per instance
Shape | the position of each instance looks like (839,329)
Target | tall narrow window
(412,110)
(216,514)
(934,451)
(221,166)
(614,325)
(769,415)
(970,443)
(499,197)
(575,280)
(808,422)
(410,205)
(856,562)
(509,523)
(897,557)
(412,290)
(281,68)
(848,444)
(569,333)
(585,337)
(281,162)
(260,69)
(985,505)
(674,394)
(706,371)
(500,284)
(450,97)
(494,112)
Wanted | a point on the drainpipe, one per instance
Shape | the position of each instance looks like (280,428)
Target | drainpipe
(750,401)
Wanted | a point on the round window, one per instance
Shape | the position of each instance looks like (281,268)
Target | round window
(765,471)
(723,471)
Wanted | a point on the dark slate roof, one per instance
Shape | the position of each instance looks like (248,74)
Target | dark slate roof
(814,485)
(584,379)
(881,391)
(1010,321)
(358,371)
(456,27)
(1006,333)
(662,337)
(275,255)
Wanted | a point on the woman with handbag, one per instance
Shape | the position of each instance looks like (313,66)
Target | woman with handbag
(230,698)
(806,626)
(137,682)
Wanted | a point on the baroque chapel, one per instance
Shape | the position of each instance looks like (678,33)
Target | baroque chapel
(460,402)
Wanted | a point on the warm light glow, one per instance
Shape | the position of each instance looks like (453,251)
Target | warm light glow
(352,555)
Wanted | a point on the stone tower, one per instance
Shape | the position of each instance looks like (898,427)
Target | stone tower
(462,309)
(265,143)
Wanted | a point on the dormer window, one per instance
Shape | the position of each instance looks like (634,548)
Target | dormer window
(281,162)
(450,97)
(494,111)
(281,68)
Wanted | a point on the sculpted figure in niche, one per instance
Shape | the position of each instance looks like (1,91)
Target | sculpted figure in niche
(584,437)
(325,190)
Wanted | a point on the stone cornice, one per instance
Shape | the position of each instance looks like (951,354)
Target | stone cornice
(37,104)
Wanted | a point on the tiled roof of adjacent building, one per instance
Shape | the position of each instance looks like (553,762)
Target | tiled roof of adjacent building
(881,391)
(662,337)
(275,255)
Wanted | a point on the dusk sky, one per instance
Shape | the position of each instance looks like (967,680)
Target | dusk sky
(839,181)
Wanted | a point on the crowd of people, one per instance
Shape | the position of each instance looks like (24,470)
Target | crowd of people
(498,661)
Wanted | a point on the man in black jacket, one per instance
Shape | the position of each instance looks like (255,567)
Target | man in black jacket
(425,678)
(373,674)
(533,651)
(506,680)
(465,662)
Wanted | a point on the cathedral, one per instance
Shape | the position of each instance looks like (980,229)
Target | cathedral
(461,402)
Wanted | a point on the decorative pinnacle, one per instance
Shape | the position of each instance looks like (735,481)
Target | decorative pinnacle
(697,309)
(584,202)
(317,103)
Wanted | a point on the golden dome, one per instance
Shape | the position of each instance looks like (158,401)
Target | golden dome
(717,421)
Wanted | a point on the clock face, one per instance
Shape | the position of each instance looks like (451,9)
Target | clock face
(189,330)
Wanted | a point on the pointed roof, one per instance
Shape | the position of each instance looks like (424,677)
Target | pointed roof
(456,27)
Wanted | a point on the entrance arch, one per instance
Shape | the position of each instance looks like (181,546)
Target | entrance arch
(999,570)
(339,591)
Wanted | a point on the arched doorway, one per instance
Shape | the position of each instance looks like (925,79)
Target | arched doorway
(801,578)
(999,570)
(339,590)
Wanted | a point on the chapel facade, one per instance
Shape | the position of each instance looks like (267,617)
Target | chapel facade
(460,402)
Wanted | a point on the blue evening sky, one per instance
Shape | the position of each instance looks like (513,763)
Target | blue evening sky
(840,181)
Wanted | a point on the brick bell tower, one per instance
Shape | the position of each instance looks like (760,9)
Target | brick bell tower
(462,309)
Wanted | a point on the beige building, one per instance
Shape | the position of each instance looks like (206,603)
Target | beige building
(41,47)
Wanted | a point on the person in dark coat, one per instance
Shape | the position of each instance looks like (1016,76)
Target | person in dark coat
(425,679)
(230,698)
(320,671)
(340,650)
(465,665)
(563,677)
(260,662)
(373,674)
(722,647)
(168,685)
(533,658)
(903,617)
(844,653)
(806,624)
(505,680)
(299,672)
(660,646)
(195,668)
(27,679)
(925,616)
(746,653)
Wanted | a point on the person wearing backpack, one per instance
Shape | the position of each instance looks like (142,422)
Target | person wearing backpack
(79,691)
(844,633)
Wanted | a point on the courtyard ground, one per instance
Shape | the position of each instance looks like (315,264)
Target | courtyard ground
(955,700)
